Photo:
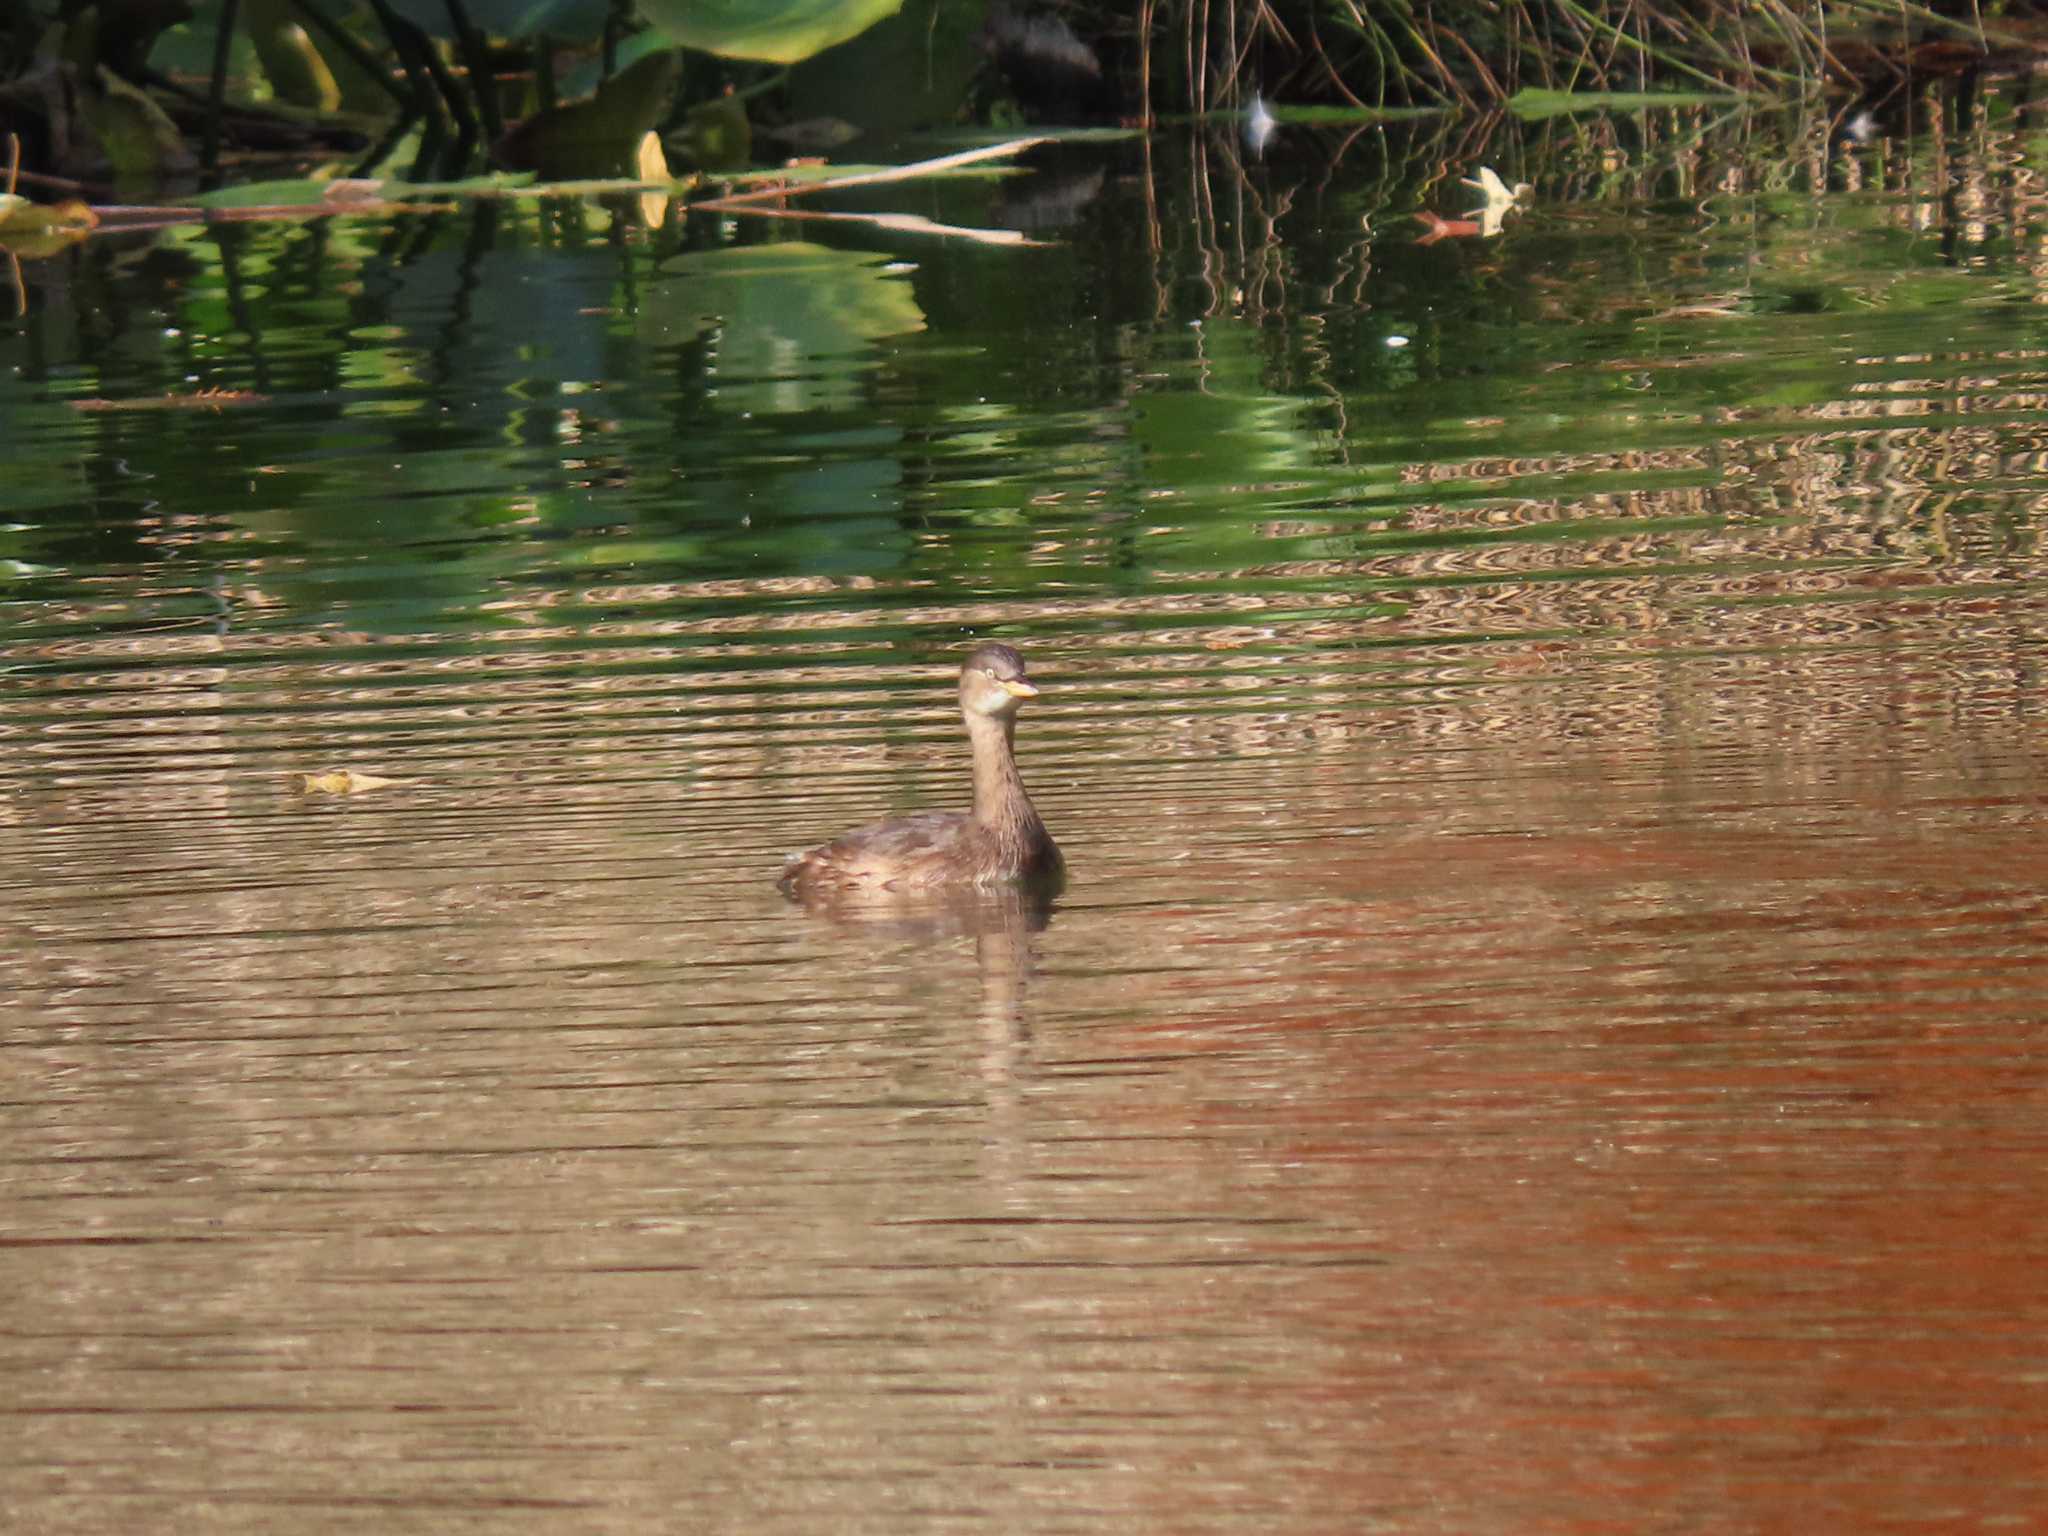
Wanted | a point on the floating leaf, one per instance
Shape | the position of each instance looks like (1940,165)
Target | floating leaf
(1318,115)
(1538,103)
(339,781)
(313,199)
(315,196)
(41,229)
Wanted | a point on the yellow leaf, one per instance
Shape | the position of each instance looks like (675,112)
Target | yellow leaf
(652,165)
(339,781)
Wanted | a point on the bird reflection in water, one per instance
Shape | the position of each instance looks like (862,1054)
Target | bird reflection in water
(1004,921)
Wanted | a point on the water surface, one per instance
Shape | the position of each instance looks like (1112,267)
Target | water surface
(1545,1029)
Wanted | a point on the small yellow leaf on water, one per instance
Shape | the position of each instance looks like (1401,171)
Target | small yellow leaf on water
(339,781)
(652,165)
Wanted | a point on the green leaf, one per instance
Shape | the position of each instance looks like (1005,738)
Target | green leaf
(264,194)
(586,77)
(580,19)
(780,31)
(1314,116)
(1531,104)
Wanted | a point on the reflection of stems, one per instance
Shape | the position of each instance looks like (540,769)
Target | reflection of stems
(249,322)
(1153,240)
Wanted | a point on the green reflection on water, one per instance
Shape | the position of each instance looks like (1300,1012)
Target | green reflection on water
(442,417)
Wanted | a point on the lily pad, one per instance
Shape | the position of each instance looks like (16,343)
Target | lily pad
(21,219)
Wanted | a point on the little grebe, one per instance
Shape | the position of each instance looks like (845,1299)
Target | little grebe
(1001,841)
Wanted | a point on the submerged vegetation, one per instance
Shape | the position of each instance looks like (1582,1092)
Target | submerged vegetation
(144,92)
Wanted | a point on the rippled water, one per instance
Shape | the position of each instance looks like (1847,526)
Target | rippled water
(1545,1031)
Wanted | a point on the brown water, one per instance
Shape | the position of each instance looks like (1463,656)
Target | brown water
(1546,1031)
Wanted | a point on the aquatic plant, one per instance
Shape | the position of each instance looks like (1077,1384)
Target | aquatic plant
(1203,54)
